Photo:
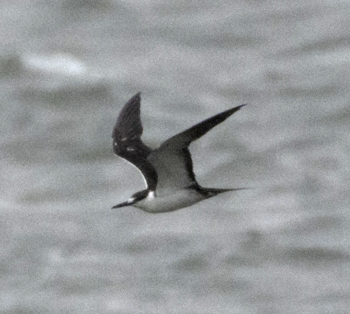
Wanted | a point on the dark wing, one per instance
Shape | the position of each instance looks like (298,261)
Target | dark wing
(127,142)
(173,160)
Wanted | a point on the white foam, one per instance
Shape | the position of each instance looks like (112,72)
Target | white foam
(56,63)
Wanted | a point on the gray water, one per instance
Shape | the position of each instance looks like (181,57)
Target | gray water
(282,246)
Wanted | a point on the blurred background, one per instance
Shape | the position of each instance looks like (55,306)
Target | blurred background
(66,69)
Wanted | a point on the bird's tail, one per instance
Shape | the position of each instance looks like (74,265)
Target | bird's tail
(209,192)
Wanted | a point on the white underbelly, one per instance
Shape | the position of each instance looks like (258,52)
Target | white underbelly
(170,202)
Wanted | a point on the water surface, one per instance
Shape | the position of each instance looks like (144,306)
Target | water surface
(66,69)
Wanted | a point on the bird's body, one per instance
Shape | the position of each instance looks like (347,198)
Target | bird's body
(167,170)
(170,202)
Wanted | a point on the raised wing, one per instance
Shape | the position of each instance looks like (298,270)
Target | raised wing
(127,142)
(172,159)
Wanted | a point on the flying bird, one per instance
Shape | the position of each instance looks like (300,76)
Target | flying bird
(167,170)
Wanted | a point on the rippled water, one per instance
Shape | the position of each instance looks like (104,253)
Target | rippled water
(67,67)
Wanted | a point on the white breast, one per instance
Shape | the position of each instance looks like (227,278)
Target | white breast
(165,203)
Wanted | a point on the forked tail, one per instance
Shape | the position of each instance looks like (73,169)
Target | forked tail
(209,192)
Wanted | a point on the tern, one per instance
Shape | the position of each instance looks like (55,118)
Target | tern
(167,170)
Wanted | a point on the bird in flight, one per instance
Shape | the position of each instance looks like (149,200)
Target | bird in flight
(167,170)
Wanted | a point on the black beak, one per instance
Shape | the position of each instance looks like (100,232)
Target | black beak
(122,204)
